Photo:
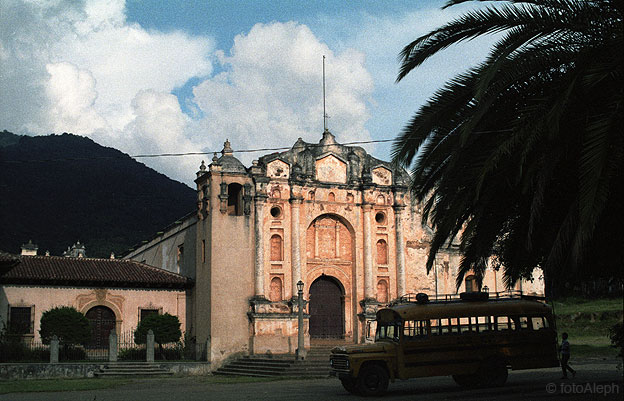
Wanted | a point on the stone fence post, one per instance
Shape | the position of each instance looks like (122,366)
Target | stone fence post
(112,347)
(149,346)
(54,349)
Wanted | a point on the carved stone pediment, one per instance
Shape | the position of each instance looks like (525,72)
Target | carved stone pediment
(278,169)
(382,176)
(100,296)
(331,169)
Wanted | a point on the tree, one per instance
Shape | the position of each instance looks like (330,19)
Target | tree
(521,156)
(166,329)
(69,325)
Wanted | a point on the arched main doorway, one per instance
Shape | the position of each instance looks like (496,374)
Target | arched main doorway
(326,308)
(102,320)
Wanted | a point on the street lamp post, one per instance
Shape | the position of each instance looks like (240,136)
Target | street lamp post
(300,344)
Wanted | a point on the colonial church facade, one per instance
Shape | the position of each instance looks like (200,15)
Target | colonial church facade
(330,215)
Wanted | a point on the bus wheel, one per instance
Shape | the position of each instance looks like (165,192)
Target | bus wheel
(467,381)
(349,385)
(372,380)
(493,373)
(499,374)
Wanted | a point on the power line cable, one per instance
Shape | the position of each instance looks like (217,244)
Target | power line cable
(214,152)
(189,153)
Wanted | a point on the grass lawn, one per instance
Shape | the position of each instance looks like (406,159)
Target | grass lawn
(587,322)
(571,305)
(29,386)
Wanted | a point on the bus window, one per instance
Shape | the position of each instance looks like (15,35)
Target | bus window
(415,329)
(465,324)
(445,326)
(539,323)
(524,322)
(504,323)
(409,329)
(389,331)
(453,325)
(485,323)
(435,326)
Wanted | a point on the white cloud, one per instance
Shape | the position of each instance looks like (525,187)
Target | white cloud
(80,66)
(71,94)
(159,126)
(270,92)
(71,66)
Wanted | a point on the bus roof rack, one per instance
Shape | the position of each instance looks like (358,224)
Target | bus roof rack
(463,297)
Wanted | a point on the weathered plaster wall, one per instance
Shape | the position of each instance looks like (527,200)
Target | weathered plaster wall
(162,250)
(290,191)
(125,303)
(225,283)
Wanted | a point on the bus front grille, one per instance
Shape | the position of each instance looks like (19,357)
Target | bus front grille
(340,362)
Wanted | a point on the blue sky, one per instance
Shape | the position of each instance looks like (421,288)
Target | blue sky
(149,76)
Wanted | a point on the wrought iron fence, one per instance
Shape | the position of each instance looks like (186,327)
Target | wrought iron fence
(127,349)
(20,350)
(36,351)
(186,349)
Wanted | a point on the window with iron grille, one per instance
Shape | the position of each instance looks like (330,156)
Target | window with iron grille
(21,320)
(146,312)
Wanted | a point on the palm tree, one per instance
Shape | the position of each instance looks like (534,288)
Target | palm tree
(522,155)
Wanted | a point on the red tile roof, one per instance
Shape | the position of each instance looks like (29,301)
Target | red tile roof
(7,261)
(116,273)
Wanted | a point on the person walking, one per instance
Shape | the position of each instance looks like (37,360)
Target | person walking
(565,356)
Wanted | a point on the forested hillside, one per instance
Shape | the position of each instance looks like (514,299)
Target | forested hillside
(59,189)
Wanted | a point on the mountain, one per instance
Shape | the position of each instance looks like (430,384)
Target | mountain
(59,189)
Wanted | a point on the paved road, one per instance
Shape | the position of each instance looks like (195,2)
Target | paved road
(593,381)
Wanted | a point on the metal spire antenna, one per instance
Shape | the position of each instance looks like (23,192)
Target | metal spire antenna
(324,112)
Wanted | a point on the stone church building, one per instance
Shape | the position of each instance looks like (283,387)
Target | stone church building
(327,214)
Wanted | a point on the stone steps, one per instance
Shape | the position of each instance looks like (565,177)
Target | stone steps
(316,364)
(132,369)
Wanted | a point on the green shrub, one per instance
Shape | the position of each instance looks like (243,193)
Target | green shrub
(132,354)
(69,325)
(140,354)
(166,329)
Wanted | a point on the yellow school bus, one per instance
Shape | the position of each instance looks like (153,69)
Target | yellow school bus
(475,338)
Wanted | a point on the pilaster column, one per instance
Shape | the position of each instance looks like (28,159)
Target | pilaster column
(368,252)
(400,250)
(295,243)
(259,234)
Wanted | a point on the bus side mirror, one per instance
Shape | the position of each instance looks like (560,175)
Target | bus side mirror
(371,328)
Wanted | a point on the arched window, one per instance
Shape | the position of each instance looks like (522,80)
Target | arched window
(382,291)
(311,195)
(382,252)
(276,248)
(235,200)
(471,284)
(331,197)
(275,293)
(381,200)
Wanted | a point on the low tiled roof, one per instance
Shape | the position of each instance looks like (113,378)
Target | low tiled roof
(7,261)
(115,273)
